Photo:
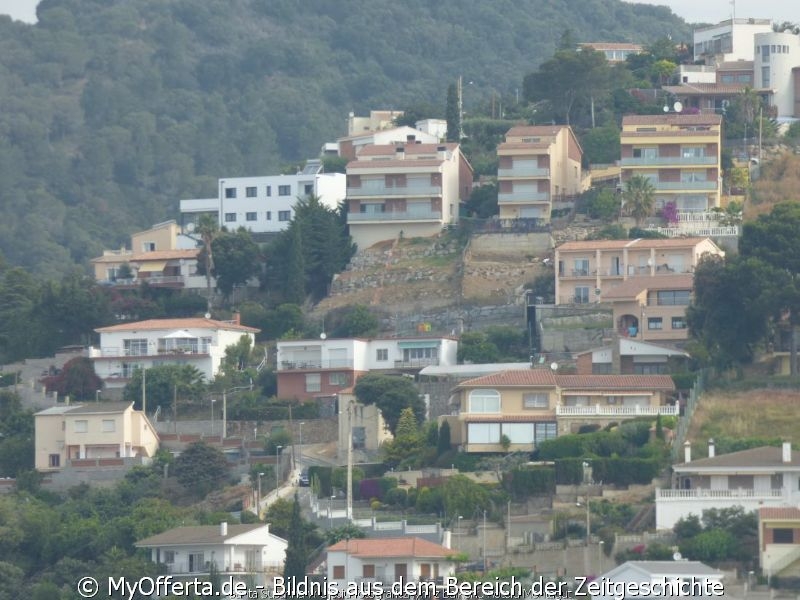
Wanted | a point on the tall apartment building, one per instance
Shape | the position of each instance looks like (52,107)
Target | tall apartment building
(537,165)
(728,40)
(410,188)
(777,68)
(679,153)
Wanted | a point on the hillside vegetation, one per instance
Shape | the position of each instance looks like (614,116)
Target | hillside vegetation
(114,110)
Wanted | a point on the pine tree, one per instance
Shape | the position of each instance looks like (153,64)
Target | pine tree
(296,553)
(452,114)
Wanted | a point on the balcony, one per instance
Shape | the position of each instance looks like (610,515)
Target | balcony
(519,173)
(668,160)
(315,364)
(373,189)
(413,215)
(413,363)
(599,410)
(154,280)
(734,494)
(577,274)
(668,186)
(523,197)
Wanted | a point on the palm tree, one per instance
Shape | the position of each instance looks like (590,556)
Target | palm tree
(639,198)
(208,229)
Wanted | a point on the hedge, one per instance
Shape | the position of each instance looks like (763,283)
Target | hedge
(522,483)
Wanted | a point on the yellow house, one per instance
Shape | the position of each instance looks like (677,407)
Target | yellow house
(100,433)
(534,405)
(680,154)
(537,165)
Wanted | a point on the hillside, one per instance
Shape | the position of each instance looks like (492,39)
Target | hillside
(114,110)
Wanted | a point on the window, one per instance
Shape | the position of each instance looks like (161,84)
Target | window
(251,216)
(673,297)
(169,557)
(727,78)
(368,571)
(679,322)
(284,215)
(582,295)
(601,368)
(483,433)
(135,347)
(313,382)
(764,53)
(337,379)
(308,189)
(81,426)
(382,354)
(544,431)
(269,215)
(205,342)
(338,572)
(197,562)
(230,217)
(645,153)
(484,401)
(251,192)
(372,208)
(359,438)
(535,401)
(148,246)
(693,152)
(54,460)
(650,369)
(765,77)
(420,354)
(693,176)
(519,433)
(269,191)
(284,190)
(581,267)
(654,323)
(782,536)
(109,426)
(230,192)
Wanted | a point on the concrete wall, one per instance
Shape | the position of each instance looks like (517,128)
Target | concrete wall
(500,245)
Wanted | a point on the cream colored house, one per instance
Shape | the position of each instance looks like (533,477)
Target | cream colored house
(367,424)
(101,433)
(533,405)
(537,165)
(586,270)
(680,154)
(779,540)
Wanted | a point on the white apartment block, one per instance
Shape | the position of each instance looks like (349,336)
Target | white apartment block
(776,67)
(729,40)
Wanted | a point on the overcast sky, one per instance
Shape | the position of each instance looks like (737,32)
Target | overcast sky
(694,11)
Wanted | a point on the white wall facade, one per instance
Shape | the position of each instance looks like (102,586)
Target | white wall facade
(384,568)
(674,505)
(776,54)
(729,40)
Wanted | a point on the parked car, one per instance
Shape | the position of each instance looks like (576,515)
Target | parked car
(303,480)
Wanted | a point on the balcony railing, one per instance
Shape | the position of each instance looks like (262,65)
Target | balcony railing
(668,160)
(378,189)
(663,302)
(413,215)
(599,410)
(732,230)
(153,280)
(293,365)
(415,362)
(523,197)
(696,493)
(685,185)
(522,172)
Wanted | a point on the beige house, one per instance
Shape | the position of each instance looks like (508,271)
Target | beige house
(366,423)
(100,433)
(680,154)
(779,540)
(534,405)
(537,166)
(587,270)
(413,190)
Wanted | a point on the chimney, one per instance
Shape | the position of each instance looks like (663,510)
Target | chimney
(786,454)
(223,529)
(711,451)
(400,152)
(237,317)
(687,452)
(441,152)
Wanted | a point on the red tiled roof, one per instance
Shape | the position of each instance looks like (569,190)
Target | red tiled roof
(534,130)
(676,119)
(394,162)
(698,89)
(190,323)
(633,287)
(687,242)
(528,377)
(391,547)
(779,512)
(545,377)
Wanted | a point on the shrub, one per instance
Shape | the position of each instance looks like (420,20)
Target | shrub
(531,481)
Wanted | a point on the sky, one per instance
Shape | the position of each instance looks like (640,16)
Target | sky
(693,11)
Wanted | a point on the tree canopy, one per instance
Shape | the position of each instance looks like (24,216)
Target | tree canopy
(391,394)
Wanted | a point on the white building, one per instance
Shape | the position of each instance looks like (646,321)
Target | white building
(777,68)
(755,478)
(195,341)
(387,560)
(350,146)
(728,40)
(238,551)
(265,204)
(652,572)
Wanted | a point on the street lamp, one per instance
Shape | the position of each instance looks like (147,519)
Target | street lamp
(212,415)
(458,526)
(300,460)
(258,503)
(484,542)
(330,512)
(277,470)
(600,557)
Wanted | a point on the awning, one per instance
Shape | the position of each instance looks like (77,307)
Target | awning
(156,266)
(179,335)
(419,344)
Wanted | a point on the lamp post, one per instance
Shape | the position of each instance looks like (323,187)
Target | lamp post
(300,453)
(330,512)
(258,502)
(484,542)
(458,525)
(600,557)
(212,415)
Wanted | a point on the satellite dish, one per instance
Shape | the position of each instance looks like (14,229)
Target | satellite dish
(677,556)
(323,335)
(190,227)
(554,366)
(207,315)
(666,108)
(678,107)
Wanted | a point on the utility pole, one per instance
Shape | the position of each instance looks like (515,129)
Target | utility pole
(175,408)
(460,108)
(224,415)
(484,542)
(144,387)
(350,463)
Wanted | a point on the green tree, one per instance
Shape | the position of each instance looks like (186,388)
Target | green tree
(602,204)
(163,383)
(237,259)
(452,114)
(296,553)
(638,198)
(462,496)
(77,380)
(443,443)
(344,532)
(407,442)
(201,469)
(601,145)
(482,201)
(208,229)
(391,394)
(475,347)
(352,321)
(279,516)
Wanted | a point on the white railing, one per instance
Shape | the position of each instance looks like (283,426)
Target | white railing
(372,188)
(523,172)
(413,215)
(388,525)
(703,216)
(523,197)
(669,160)
(664,494)
(686,185)
(732,230)
(598,410)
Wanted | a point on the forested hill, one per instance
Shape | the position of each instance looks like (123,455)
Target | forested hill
(113,110)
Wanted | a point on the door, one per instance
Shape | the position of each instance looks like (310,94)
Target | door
(425,570)
(400,571)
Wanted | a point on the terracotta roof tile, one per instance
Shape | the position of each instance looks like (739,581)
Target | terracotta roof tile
(524,146)
(615,382)
(190,323)
(672,119)
(534,130)
(763,457)
(528,377)
(779,512)
(391,547)
(394,162)
(687,242)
